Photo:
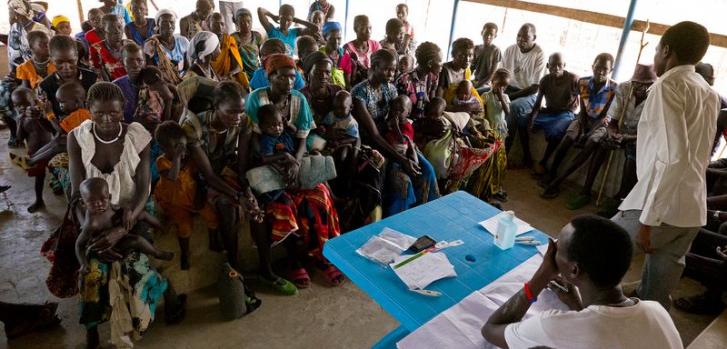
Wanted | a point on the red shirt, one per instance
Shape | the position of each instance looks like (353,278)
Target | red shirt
(111,65)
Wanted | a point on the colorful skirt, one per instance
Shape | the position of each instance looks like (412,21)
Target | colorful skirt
(308,214)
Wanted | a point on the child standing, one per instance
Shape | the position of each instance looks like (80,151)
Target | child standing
(400,130)
(286,18)
(489,178)
(402,13)
(178,192)
(487,58)
(35,129)
(101,219)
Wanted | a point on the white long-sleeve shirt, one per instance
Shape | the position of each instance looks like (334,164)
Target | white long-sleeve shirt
(673,146)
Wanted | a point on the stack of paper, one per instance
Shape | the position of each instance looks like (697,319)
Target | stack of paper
(418,271)
(491,225)
(386,246)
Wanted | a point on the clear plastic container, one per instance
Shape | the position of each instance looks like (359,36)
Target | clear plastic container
(506,231)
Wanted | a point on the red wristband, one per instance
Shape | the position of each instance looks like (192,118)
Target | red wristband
(529,294)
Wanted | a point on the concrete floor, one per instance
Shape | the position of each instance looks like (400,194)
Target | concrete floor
(320,317)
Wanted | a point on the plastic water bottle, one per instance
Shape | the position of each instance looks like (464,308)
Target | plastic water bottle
(506,230)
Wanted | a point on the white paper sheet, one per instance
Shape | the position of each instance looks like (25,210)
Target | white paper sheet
(386,246)
(422,271)
(491,225)
(459,326)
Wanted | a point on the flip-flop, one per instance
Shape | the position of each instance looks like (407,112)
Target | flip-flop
(20,161)
(333,276)
(281,285)
(300,278)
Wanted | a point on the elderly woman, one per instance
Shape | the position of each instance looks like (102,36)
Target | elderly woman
(126,286)
(420,85)
(248,41)
(167,50)
(371,100)
(218,142)
(302,218)
(203,50)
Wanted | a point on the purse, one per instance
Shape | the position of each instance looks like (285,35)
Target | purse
(316,169)
(264,179)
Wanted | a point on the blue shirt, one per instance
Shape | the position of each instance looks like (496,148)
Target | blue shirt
(288,40)
(271,145)
(300,118)
(260,80)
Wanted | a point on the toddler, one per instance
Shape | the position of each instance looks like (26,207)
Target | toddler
(101,218)
(400,130)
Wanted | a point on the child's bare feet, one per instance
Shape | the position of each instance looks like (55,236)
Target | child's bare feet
(37,206)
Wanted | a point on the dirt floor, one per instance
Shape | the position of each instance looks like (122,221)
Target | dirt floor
(320,317)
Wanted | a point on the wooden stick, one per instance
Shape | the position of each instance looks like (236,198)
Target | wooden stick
(79,5)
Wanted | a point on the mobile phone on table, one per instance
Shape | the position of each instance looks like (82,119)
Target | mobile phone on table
(422,243)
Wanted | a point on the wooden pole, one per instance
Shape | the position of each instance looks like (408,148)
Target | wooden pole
(79,5)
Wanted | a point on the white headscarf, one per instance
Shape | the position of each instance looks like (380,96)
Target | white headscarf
(21,7)
(165,12)
(202,45)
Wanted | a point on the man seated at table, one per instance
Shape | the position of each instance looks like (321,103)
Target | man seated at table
(601,316)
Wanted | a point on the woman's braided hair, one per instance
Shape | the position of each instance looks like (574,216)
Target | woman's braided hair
(227,91)
(105,91)
(382,56)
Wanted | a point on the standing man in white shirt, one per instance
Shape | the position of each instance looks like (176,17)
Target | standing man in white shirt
(526,62)
(600,316)
(666,208)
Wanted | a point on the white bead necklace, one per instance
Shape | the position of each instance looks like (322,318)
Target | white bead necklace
(95,135)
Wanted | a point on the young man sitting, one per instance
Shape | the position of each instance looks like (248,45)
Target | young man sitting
(601,316)
(560,90)
(590,128)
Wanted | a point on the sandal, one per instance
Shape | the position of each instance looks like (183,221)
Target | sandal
(300,278)
(699,304)
(20,161)
(281,285)
(333,276)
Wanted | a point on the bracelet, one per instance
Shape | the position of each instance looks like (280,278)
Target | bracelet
(529,294)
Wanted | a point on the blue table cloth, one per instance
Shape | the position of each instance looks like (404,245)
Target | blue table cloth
(477,262)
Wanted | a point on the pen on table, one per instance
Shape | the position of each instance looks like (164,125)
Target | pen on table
(413,257)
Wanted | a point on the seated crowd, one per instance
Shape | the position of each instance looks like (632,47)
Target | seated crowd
(304,137)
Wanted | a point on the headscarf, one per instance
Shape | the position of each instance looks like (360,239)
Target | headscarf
(58,20)
(21,7)
(278,61)
(331,26)
(202,45)
(313,59)
(242,12)
(163,12)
